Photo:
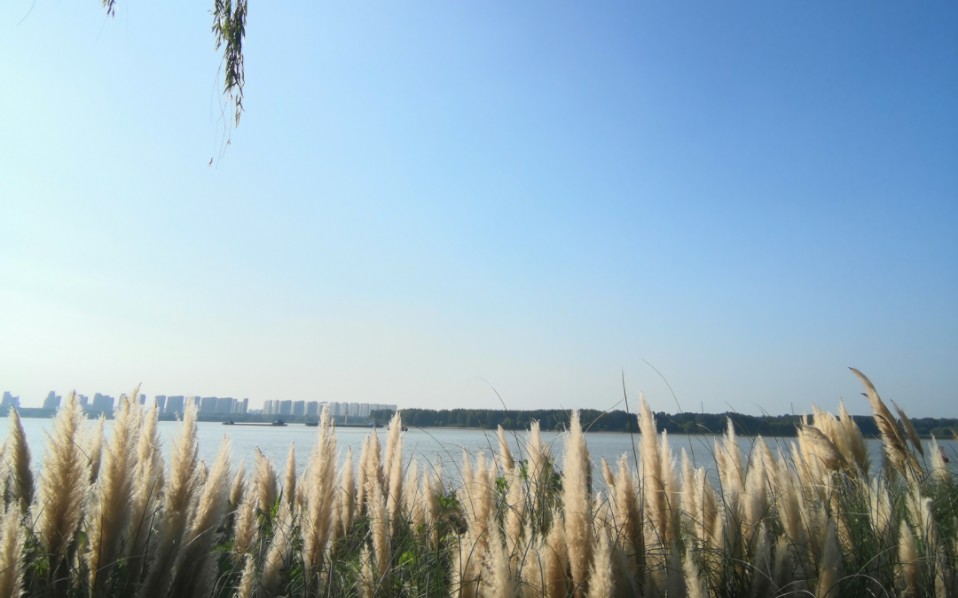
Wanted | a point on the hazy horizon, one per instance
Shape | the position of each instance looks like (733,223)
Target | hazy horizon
(429,201)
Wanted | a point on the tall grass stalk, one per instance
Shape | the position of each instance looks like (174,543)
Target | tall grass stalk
(17,458)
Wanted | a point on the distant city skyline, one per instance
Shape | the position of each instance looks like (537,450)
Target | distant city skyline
(209,405)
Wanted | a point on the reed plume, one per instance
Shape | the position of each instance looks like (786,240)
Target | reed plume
(320,500)
(539,473)
(829,565)
(909,429)
(394,471)
(896,453)
(628,517)
(93,448)
(147,487)
(908,567)
(194,568)
(695,586)
(515,515)
(601,577)
(61,493)
(576,501)
(184,479)
(289,477)
(244,527)
(412,505)
(370,470)
(938,468)
(555,555)
(238,486)
(12,538)
(505,455)
(278,553)
(347,494)
(652,486)
(853,439)
(113,496)
(247,584)
(434,490)
(265,483)
(17,457)
(496,576)
(379,531)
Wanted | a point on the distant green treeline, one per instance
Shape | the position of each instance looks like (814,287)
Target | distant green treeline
(620,421)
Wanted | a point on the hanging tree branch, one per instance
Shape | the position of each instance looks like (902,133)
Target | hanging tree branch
(229,30)
(229,27)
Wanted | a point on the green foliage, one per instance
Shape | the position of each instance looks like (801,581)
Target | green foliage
(621,421)
(229,28)
(229,33)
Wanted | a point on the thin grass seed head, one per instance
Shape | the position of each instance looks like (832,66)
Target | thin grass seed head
(505,455)
(12,540)
(320,498)
(912,434)
(265,483)
(113,495)
(347,486)
(856,442)
(62,489)
(829,566)
(93,447)
(289,476)
(392,443)
(577,504)
(194,569)
(245,528)
(908,570)
(601,577)
(893,441)
(395,473)
(17,457)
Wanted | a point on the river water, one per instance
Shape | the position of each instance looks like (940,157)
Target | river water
(431,446)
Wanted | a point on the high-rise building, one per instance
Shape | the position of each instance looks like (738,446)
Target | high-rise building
(312,409)
(102,403)
(286,407)
(299,408)
(175,405)
(52,402)
(9,400)
(224,405)
(207,405)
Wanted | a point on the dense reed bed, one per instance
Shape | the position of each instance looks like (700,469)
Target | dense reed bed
(111,518)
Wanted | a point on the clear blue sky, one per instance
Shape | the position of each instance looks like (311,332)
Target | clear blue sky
(428,199)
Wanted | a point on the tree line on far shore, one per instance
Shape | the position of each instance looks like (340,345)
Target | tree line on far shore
(621,421)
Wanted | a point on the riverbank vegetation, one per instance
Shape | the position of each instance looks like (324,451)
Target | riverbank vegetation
(622,421)
(112,517)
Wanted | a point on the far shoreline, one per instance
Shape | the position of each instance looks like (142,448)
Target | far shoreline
(552,420)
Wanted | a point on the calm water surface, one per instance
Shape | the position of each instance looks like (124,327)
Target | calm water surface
(431,447)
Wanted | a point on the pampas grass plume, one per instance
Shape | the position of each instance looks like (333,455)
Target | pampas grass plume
(113,495)
(289,476)
(577,511)
(17,457)
(12,539)
(58,508)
